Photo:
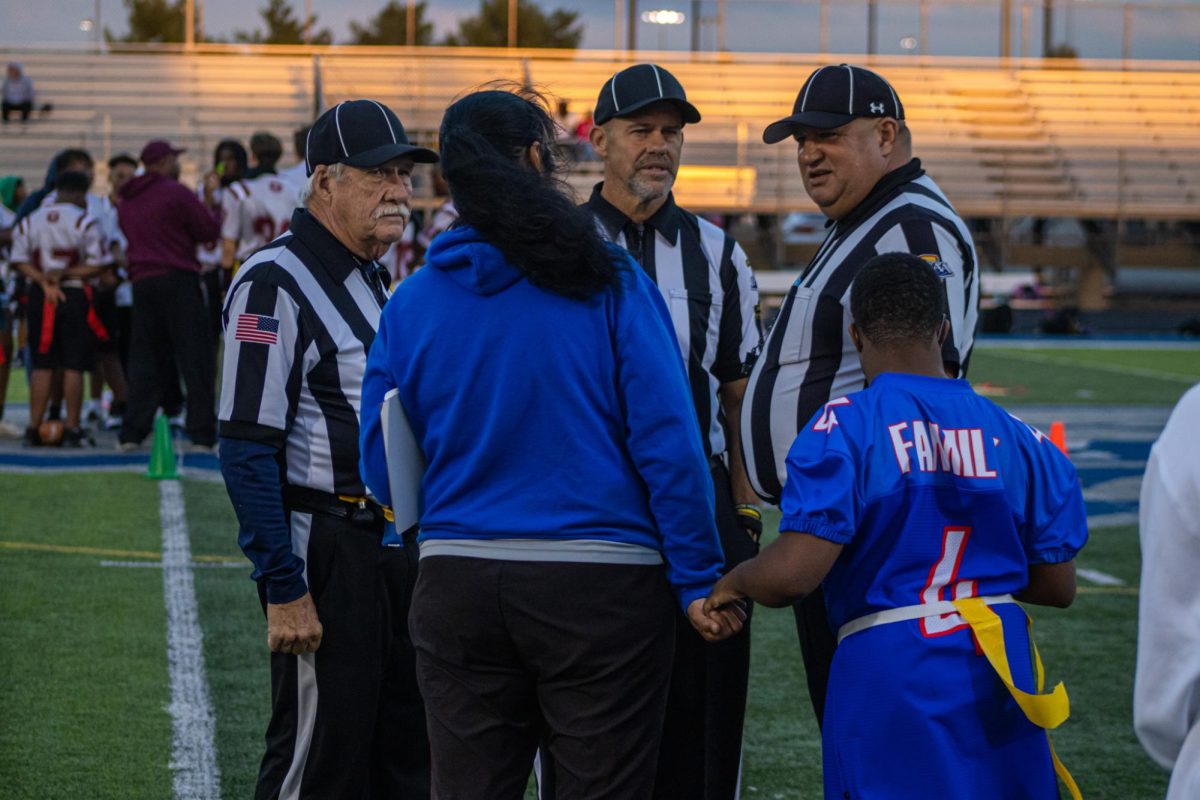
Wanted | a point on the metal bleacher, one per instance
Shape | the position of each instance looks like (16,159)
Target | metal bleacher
(1007,138)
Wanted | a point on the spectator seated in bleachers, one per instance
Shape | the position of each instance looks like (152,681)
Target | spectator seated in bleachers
(18,93)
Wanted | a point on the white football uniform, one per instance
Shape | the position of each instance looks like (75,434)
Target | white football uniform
(400,260)
(257,211)
(209,253)
(440,220)
(56,237)
(101,209)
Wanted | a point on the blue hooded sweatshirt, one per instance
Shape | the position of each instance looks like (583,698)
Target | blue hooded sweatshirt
(553,429)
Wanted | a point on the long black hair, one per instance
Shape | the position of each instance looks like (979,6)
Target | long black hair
(528,215)
(239,155)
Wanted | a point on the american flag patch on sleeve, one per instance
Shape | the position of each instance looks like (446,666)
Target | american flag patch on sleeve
(256,328)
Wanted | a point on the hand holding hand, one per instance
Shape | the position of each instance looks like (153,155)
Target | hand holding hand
(293,627)
(717,625)
(723,596)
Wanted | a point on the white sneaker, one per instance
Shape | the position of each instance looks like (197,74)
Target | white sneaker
(8,431)
(112,423)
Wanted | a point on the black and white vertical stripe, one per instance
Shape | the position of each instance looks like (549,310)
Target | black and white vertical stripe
(809,358)
(710,292)
(303,393)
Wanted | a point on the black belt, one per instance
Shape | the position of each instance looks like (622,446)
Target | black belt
(355,510)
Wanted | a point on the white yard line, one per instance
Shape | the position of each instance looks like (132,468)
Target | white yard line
(1099,578)
(159,564)
(193,752)
(1140,372)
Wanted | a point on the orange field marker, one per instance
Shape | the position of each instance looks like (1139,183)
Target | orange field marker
(1058,435)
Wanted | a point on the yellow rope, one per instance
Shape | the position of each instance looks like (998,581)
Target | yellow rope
(38,547)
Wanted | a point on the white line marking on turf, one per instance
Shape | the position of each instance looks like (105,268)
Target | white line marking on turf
(1082,343)
(1118,369)
(193,754)
(159,564)
(1114,520)
(1099,578)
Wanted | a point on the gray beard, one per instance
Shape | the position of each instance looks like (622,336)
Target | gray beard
(645,193)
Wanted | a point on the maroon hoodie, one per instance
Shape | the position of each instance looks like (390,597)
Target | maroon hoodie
(163,222)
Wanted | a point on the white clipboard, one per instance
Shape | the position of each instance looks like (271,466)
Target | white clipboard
(405,461)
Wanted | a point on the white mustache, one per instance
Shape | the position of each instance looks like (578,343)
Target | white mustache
(391,211)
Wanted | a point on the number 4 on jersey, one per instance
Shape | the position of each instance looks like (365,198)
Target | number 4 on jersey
(945,573)
(828,419)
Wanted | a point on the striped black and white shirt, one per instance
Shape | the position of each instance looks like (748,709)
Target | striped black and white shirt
(710,291)
(299,319)
(808,358)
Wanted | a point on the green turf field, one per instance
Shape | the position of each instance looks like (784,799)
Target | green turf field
(83,703)
(1152,377)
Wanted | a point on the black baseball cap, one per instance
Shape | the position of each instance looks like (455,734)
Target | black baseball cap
(638,86)
(360,133)
(834,96)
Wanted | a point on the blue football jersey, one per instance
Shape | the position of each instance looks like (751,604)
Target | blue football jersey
(936,494)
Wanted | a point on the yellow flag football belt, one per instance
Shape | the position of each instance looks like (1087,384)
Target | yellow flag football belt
(1047,711)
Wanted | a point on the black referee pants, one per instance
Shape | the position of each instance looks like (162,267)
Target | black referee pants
(347,722)
(700,756)
(507,650)
(701,753)
(170,329)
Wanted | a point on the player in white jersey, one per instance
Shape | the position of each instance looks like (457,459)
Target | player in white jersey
(298,172)
(58,247)
(258,209)
(113,300)
(107,368)
(255,212)
(404,256)
(230,164)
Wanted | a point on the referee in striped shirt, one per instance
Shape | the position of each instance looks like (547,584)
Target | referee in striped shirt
(710,292)
(855,158)
(347,719)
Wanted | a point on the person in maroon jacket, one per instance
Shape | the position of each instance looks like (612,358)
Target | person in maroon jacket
(163,222)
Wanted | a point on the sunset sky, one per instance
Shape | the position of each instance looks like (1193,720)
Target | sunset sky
(956,28)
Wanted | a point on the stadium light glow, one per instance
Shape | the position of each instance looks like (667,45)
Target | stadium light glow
(909,42)
(663,17)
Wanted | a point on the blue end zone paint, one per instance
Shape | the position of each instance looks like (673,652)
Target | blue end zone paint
(1111,476)
(1109,469)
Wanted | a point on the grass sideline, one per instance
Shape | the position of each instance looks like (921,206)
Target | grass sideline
(1084,377)
(83,706)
